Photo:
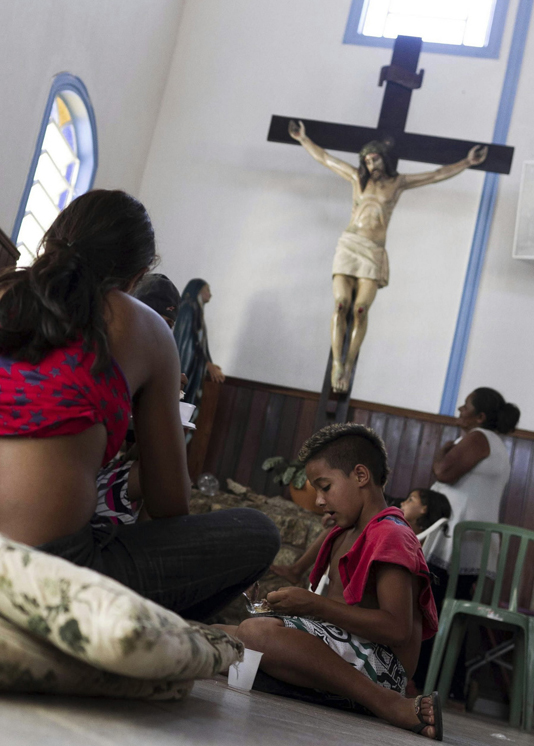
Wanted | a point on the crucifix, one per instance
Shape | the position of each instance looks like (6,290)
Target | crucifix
(360,263)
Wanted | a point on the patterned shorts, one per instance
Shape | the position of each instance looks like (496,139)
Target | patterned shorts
(113,503)
(375,661)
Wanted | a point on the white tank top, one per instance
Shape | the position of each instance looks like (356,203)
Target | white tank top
(474,497)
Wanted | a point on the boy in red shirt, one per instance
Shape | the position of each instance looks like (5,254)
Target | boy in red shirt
(362,640)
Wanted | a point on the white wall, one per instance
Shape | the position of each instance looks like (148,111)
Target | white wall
(501,351)
(121,49)
(260,220)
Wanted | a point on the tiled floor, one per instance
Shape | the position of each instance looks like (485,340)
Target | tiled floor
(216,715)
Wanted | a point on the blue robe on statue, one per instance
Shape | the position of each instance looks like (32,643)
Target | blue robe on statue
(192,340)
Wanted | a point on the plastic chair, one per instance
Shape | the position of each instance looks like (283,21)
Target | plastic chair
(322,587)
(430,531)
(455,614)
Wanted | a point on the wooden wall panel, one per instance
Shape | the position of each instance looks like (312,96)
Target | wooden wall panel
(392,438)
(254,420)
(304,426)
(251,441)
(400,480)
(428,447)
(9,253)
(261,481)
(235,433)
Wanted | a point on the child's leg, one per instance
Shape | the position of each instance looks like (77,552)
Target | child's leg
(230,629)
(304,660)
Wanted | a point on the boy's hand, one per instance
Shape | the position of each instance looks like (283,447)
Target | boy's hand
(295,601)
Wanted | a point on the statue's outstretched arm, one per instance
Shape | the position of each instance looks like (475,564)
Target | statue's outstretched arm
(298,132)
(475,156)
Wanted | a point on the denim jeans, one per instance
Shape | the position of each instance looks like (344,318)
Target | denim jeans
(194,565)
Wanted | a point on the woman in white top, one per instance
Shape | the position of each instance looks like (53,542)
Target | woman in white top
(472,473)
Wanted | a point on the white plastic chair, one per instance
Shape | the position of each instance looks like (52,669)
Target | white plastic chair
(323,584)
(428,532)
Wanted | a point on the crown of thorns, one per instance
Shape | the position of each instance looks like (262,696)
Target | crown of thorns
(376,146)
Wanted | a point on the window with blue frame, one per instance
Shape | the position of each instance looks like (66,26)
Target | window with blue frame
(63,166)
(466,27)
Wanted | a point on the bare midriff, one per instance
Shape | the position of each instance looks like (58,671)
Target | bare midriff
(48,485)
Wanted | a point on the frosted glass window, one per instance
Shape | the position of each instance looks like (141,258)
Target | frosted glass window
(63,165)
(456,22)
(54,180)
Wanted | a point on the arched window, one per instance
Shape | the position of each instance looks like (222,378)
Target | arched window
(63,166)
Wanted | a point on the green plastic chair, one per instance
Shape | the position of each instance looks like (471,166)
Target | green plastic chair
(455,615)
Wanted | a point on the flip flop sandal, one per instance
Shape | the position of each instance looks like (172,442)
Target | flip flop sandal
(438,717)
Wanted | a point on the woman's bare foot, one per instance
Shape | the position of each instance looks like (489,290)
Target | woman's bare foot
(413,713)
(287,572)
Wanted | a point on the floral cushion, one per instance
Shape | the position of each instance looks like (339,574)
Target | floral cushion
(28,664)
(103,623)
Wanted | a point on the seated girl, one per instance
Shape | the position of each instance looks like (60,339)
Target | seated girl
(422,508)
(77,354)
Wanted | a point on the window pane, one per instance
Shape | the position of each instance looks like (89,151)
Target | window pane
(26,257)
(69,134)
(40,204)
(30,233)
(49,176)
(431,8)
(479,23)
(56,145)
(375,18)
(438,30)
(440,21)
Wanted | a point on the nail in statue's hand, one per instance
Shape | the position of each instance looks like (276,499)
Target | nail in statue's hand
(297,130)
(294,601)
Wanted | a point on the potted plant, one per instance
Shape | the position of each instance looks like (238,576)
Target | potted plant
(293,474)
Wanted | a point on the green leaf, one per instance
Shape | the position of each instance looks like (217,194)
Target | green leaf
(287,476)
(273,462)
(299,480)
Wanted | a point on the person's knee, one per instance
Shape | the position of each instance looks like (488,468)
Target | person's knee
(260,531)
(257,633)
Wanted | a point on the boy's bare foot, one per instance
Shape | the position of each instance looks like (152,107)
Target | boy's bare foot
(285,571)
(421,715)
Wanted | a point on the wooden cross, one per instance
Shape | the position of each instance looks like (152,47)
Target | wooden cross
(401,79)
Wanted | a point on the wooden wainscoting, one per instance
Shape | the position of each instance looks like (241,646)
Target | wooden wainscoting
(9,253)
(243,422)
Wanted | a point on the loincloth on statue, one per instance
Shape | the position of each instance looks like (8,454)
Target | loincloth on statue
(360,257)
(375,661)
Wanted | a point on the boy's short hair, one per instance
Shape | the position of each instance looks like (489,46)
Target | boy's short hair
(345,445)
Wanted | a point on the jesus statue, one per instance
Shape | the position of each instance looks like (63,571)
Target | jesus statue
(361,260)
